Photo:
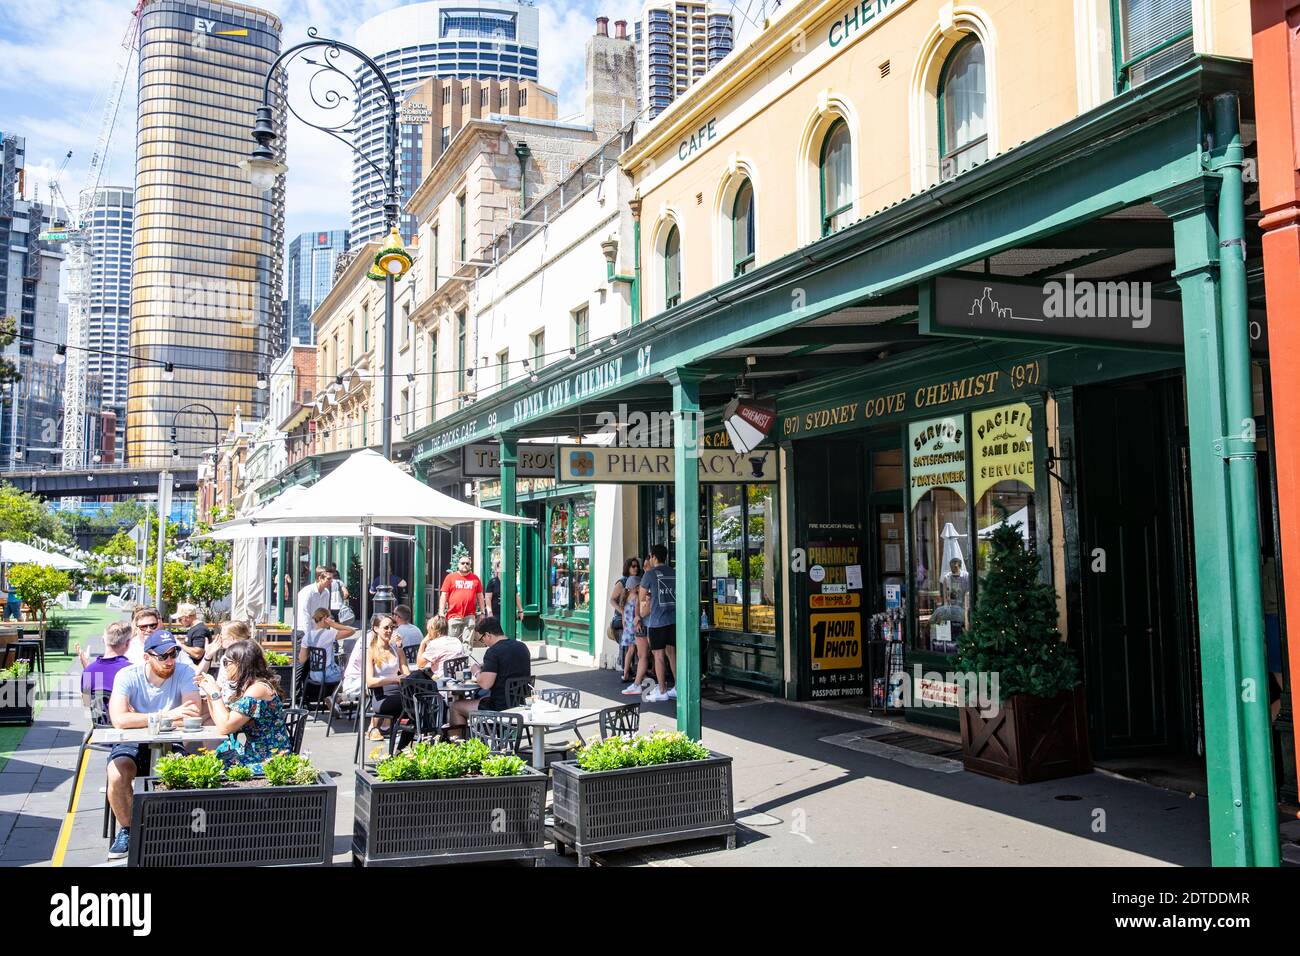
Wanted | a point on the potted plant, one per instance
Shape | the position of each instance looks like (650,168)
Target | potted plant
(193,812)
(448,803)
(1036,727)
(17,694)
(37,586)
(282,666)
(56,633)
(652,788)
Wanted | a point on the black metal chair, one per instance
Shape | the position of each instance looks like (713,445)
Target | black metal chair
(409,651)
(560,696)
(317,663)
(623,721)
(423,713)
(338,702)
(518,689)
(502,733)
(295,723)
(453,667)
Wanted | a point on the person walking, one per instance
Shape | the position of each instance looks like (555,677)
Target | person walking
(461,599)
(311,597)
(658,592)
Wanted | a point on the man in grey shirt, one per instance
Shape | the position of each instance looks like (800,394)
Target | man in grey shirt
(660,583)
(408,632)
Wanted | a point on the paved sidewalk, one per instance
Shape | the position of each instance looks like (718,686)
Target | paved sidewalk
(802,801)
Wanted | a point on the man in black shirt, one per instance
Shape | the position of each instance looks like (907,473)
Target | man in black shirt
(503,660)
(197,633)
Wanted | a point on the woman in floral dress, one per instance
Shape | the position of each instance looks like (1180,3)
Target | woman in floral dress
(255,710)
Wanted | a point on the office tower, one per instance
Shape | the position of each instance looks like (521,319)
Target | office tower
(208,254)
(677,43)
(480,39)
(309,276)
(108,307)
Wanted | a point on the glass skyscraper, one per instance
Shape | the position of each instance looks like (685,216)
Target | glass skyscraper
(473,39)
(309,277)
(108,307)
(208,254)
(678,41)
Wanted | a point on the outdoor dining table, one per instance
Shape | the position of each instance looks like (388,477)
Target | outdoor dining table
(551,718)
(458,688)
(157,741)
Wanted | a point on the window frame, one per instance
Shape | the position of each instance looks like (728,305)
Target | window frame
(839,123)
(671,300)
(743,264)
(1123,68)
(462,323)
(967,41)
(581,324)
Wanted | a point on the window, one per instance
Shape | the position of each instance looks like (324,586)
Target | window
(435,257)
(406,324)
(365,328)
(963,102)
(460,351)
(446,93)
(406,409)
(523,98)
(503,368)
(504,101)
(352,340)
(742,557)
(1004,476)
(1152,36)
(446,138)
(433,375)
(836,178)
(940,533)
(537,346)
(672,268)
(568,566)
(581,328)
(483,97)
(460,227)
(742,229)
(464,96)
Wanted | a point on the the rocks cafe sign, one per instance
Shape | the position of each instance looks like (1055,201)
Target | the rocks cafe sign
(861,412)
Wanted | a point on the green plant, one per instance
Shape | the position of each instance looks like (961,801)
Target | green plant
(287,770)
(239,773)
(199,771)
(503,765)
(276,659)
(1013,627)
(16,671)
(435,761)
(613,753)
(644,750)
(37,586)
(56,621)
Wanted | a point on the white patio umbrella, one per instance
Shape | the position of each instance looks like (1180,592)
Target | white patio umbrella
(15,552)
(1020,517)
(233,531)
(365,489)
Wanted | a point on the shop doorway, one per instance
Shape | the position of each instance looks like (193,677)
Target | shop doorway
(1137,584)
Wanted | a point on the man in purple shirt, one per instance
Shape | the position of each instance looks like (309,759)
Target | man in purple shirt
(97,676)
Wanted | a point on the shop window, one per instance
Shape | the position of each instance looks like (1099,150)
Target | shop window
(1151,37)
(963,110)
(741,557)
(742,229)
(1002,450)
(672,268)
(836,175)
(568,565)
(940,533)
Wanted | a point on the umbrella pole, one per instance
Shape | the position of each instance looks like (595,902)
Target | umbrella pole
(365,632)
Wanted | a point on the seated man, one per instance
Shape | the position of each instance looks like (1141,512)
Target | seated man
(503,660)
(99,675)
(197,633)
(162,685)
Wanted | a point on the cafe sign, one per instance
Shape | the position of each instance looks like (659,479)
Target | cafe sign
(484,461)
(597,464)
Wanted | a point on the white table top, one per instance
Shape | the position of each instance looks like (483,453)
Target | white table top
(559,717)
(142,735)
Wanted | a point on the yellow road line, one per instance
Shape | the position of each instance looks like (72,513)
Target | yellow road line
(65,831)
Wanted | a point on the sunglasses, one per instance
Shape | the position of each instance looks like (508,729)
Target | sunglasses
(148,626)
(169,656)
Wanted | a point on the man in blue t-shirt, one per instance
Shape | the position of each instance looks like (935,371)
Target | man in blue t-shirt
(660,583)
(162,685)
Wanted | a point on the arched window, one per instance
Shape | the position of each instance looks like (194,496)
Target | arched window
(672,268)
(963,110)
(742,229)
(836,178)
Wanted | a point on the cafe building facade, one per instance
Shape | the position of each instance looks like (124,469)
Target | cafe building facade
(982,263)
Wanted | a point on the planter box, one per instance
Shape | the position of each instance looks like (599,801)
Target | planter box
(1030,739)
(17,700)
(237,826)
(464,820)
(640,806)
(56,640)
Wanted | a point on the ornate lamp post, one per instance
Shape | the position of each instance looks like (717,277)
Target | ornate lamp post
(262,166)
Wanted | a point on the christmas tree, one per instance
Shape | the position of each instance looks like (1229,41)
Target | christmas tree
(1013,627)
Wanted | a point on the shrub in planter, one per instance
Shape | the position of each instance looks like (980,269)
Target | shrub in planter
(17,694)
(37,586)
(194,812)
(56,633)
(448,803)
(1036,728)
(653,788)
(282,666)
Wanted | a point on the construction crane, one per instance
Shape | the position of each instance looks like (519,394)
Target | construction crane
(77,265)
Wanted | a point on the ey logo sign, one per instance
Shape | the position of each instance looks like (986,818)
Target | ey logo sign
(209,28)
(836,642)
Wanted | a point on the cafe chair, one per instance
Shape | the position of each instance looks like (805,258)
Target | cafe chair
(338,703)
(569,698)
(31,650)
(317,661)
(423,713)
(454,666)
(501,732)
(409,652)
(295,724)
(622,721)
(518,689)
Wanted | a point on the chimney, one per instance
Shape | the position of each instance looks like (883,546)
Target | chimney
(620,29)
(602,26)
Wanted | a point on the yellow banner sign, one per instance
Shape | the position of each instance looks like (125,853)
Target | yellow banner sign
(836,641)
(1003,446)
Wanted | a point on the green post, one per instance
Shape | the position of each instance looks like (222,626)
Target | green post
(1243,825)
(417,578)
(686,488)
(509,453)
(279,582)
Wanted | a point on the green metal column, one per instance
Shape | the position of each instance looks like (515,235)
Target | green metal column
(509,453)
(687,435)
(279,582)
(417,578)
(1243,824)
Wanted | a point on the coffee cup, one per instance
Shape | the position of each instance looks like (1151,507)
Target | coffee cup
(165,724)
(193,723)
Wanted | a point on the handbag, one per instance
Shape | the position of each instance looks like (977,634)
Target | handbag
(346,615)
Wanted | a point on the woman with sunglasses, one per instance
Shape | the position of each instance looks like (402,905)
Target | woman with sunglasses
(620,630)
(231,633)
(385,666)
(255,709)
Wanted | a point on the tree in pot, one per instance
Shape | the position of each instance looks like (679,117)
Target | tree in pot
(37,586)
(1034,726)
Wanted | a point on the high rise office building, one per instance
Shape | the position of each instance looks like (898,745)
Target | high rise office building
(309,277)
(208,254)
(474,39)
(678,41)
(108,307)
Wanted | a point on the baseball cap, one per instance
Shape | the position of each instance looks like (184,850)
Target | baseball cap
(185,610)
(159,641)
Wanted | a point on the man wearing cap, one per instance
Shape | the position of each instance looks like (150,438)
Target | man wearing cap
(197,634)
(162,685)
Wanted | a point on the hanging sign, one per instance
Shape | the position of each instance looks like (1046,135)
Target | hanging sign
(1003,446)
(617,465)
(938,456)
(484,461)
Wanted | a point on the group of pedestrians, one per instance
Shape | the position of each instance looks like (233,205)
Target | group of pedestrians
(644,623)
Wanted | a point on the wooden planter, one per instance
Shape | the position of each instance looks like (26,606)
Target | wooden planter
(17,701)
(641,806)
(461,820)
(1030,739)
(233,826)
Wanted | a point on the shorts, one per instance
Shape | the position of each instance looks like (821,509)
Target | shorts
(661,637)
(132,752)
(461,628)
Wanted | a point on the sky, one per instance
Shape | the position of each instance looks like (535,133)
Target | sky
(58,59)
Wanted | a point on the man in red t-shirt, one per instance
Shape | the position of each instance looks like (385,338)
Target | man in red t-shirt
(462,599)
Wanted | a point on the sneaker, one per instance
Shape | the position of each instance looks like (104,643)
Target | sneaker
(671,695)
(632,689)
(654,697)
(121,844)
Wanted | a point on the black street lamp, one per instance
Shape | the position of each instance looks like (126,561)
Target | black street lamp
(262,167)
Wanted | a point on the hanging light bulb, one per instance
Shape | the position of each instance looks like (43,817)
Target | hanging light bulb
(261,381)
(169,372)
(410,376)
(573,352)
(60,355)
